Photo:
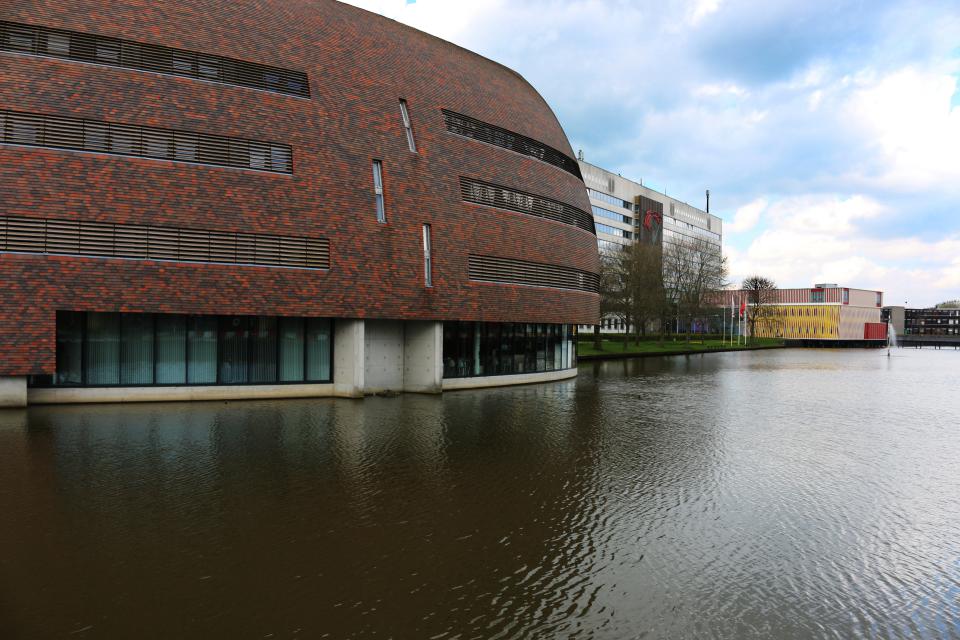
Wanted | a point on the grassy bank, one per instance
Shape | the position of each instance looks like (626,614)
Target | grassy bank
(615,348)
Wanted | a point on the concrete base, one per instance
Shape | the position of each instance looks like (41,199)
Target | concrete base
(453,384)
(383,356)
(423,357)
(13,392)
(348,358)
(64,395)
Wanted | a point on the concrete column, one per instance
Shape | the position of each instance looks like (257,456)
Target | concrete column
(423,357)
(348,358)
(383,354)
(13,391)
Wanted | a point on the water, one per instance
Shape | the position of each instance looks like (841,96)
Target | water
(779,494)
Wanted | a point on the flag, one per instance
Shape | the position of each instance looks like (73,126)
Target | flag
(743,308)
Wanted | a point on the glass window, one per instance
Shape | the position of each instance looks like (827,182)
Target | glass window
(259,155)
(407,125)
(136,348)
(171,349)
(464,364)
(125,140)
(233,358)
(318,349)
(185,146)
(58,44)
(157,143)
(378,190)
(530,349)
(20,39)
(69,348)
(280,158)
(610,215)
(144,349)
(202,350)
(103,349)
(208,67)
(291,349)
(427,259)
(94,136)
(263,349)
(108,51)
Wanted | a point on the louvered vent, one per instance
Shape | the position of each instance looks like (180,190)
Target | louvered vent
(107,240)
(534,274)
(472,128)
(492,195)
(85,47)
(57,132)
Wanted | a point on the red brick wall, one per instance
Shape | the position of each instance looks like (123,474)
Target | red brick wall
(359,66)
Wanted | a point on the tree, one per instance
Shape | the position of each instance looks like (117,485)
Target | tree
(694,271)
(761,293)
(611,287)
(644,297)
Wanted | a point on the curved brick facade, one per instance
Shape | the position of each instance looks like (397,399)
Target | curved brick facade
(359,65)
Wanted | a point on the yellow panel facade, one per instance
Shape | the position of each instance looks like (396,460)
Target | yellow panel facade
(800,322)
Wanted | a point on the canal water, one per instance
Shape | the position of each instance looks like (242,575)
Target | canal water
(776,494)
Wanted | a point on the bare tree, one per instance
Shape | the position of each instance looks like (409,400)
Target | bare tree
(611,290)
(644,295)
(694,270)
(761,293)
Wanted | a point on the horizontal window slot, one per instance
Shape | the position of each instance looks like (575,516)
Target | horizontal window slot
(486,193)
(491,134)
(534,274)
(85,47)
(142,242)
(78,134)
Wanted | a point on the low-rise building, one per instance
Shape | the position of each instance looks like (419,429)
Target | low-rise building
(925,327)
(823,315)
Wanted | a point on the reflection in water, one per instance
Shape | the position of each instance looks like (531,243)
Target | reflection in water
(778,494)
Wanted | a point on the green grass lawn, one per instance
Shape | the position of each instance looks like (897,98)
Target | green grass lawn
(616,346)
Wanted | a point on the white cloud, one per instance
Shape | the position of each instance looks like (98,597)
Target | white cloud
(719,89)
(915,130)
(814,239)
(703,8)
(746,217)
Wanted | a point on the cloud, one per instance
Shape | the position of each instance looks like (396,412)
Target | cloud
(822,239)
(703,8)
(746,217)
(915,128)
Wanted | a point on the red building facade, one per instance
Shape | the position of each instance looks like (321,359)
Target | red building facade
(218,158)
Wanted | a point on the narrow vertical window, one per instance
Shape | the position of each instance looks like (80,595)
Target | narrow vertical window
(427,261)
(406,125)
(378,190)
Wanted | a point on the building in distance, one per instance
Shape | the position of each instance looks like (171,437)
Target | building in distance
(825,315)
(625,211)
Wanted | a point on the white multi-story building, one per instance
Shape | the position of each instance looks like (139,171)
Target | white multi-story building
(625,211)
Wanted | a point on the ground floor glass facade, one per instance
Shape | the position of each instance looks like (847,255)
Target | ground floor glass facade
(473,349)
(139,349)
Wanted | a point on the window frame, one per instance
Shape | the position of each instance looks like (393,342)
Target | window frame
(427,256)
(378,191)
(408,125)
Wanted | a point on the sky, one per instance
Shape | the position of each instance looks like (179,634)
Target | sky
(828,131)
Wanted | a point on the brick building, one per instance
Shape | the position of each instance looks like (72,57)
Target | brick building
(276,198)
